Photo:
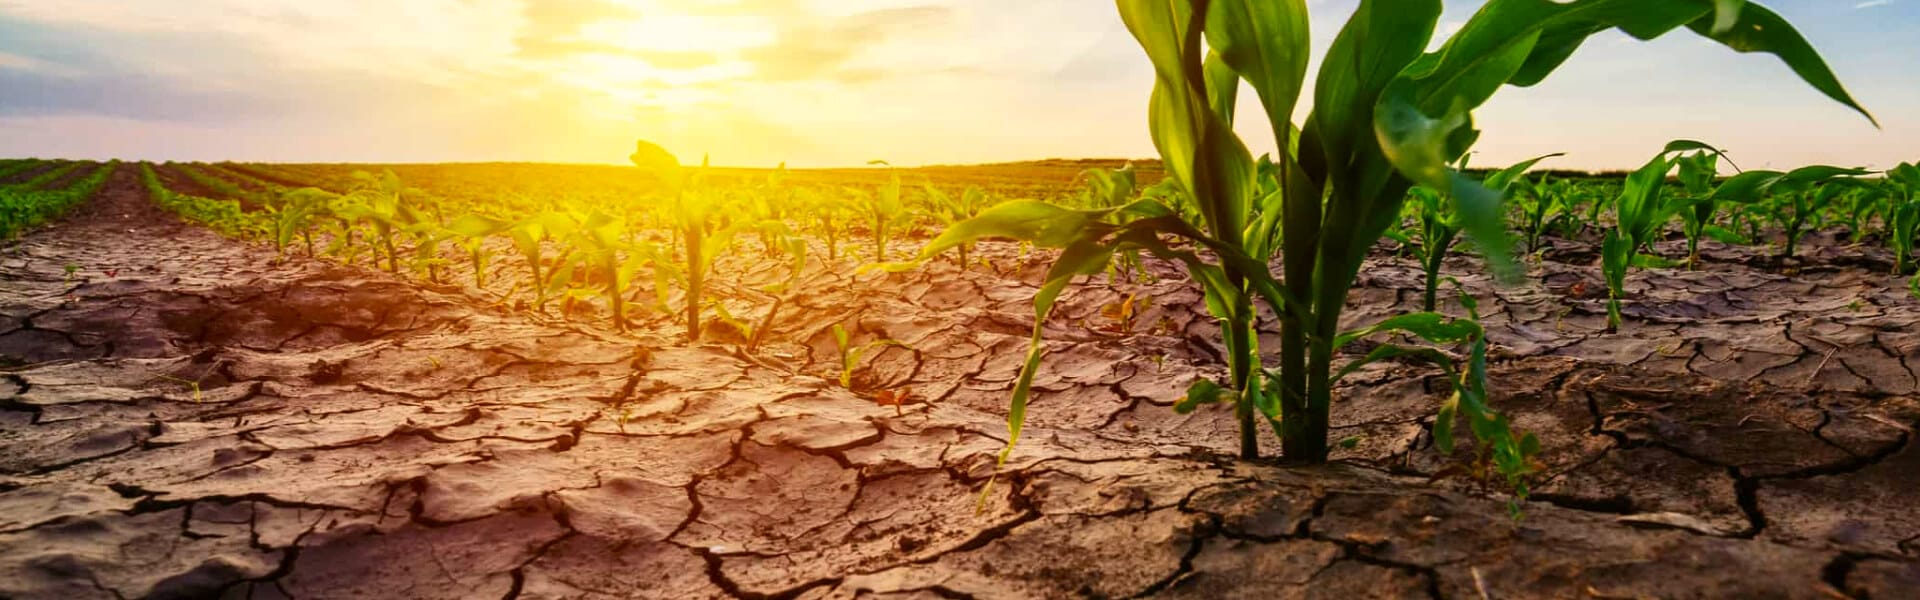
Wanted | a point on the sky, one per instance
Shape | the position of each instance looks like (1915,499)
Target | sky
(828,83)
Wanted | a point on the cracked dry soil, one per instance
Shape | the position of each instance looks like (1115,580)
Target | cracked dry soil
(187,419)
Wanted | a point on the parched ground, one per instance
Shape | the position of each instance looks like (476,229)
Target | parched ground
(184,418)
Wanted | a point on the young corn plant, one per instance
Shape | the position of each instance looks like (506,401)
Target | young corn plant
(884,213)
(1903,214)
(1641,214)
(1543,204)
(1440,226)
(427,231)
(1861,207)
(1794,199)
(1110,190)
(470,232)
(603,248)
(529,237)
(691,211)
(756,332)
(829,220)
(851,354)
(294,214)
(1385,115)
(375,201)
(1697,173)
(949,210)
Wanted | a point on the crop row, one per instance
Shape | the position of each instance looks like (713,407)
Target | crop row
(26,205)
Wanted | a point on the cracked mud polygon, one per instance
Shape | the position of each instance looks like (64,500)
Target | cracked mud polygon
(1746,434)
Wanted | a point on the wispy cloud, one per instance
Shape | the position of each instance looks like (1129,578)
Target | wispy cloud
(812,82)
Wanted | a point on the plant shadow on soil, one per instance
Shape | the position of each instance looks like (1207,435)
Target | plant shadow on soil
(189,419)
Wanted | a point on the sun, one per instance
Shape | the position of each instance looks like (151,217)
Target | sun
(665,58)
(662,31)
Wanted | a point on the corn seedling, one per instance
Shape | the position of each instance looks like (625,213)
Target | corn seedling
(375,202)
(1440,226)
(796,248)
(949,210)
(471,232)
(614,260)
(1642,212)
(1794,199)
(851,354)
(692,216)
(529,237)
(293,216)
(884,213)
(1697,171)
(1386,115)
(1123,315)
(1543,204)
(1903,220)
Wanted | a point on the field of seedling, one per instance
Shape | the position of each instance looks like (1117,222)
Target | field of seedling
(1363,368)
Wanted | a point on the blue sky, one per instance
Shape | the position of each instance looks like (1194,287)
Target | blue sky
(825,82)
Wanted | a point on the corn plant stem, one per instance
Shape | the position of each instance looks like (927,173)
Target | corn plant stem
(615,299)
(1310,442)
(1693,245)
(1238,334)
(760,331)
(696,235)
(1432,267)
(1300,242)
(1793,236)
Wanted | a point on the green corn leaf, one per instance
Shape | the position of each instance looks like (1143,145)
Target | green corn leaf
(1750,186)
(1265,41)
(1822,173)
(1202,391)
(1420,147)
(1758,29)
(1725,236)
(475,226)
(1430,326)
(1388,351)
(1197,146)
(1378,41)
(1616,252)
(1046,225)
(1443,423)
(1223,87)
(656,161)
(1506,178)
(1084,258)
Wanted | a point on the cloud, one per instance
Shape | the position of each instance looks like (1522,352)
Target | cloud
(1871,4)
(826,47)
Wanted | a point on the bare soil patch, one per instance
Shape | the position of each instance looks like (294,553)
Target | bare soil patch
(188,419)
